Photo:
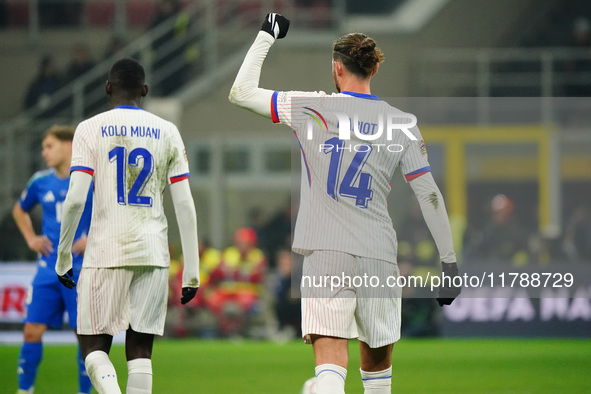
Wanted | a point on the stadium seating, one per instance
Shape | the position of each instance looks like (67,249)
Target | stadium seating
(18,12)
(140,13)
(100,12)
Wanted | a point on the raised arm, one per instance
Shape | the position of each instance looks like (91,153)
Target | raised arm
(245,91)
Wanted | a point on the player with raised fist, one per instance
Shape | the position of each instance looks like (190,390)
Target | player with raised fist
(343,227)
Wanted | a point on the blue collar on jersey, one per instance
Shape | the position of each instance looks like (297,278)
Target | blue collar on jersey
(362,95)
(127,107)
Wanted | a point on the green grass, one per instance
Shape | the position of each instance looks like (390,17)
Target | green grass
(419,366)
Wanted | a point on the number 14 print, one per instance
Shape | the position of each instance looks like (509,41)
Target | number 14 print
(362,193)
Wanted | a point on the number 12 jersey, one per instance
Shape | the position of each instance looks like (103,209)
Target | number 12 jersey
(132,154)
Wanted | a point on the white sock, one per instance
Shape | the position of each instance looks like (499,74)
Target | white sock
(331,379)
(139,376)
(102,373)
(379,382)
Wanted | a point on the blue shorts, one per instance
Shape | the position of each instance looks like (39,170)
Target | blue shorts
(48,299)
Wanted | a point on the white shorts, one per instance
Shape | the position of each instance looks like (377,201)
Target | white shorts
(111,300)
(347,296)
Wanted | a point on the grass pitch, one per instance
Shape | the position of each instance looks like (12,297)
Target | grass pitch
(419,366)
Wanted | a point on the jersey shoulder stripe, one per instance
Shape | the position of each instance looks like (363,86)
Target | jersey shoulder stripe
(274,114)
(87,170)
(417,173)
(179,178)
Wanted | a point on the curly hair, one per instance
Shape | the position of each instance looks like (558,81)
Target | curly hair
(358,53)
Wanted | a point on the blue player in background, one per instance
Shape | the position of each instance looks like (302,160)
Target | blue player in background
(48,299)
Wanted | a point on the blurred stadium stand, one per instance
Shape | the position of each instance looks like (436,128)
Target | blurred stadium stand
(461,51)
(372,7)
(481,52)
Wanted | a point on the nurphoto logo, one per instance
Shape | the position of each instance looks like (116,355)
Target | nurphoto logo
(362,130)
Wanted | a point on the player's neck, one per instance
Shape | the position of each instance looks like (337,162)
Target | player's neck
(128,103)
(119,101)
(63,170)
(356,86)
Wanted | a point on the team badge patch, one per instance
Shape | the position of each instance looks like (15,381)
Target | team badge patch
(185,155)
(282,97)
(423,148)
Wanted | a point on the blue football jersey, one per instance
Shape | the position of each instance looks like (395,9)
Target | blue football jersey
(47,189)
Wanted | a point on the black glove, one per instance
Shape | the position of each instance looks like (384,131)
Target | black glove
(276,25)
(188,294)
(447,291)
(66,279)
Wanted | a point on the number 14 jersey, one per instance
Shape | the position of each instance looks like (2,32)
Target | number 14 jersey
(132,154)
(345,179)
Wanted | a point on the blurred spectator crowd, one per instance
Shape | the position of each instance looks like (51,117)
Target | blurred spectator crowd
(172,56)
(509,235)
(50,79)
(174,59)
(246,289)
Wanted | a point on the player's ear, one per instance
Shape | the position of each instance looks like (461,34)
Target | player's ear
(376,70)
(108,88)
(144,90)
(338,67)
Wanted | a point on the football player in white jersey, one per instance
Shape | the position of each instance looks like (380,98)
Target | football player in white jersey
(132,155)
(351,142)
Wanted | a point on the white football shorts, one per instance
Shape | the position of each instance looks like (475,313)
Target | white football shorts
(111,300)
(348,296)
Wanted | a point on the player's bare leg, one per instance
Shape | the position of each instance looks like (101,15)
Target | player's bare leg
(376,368)
(92,343)
(330,350)
(95,350)
(331,355)
(33,332)
(138,350)
(377,359)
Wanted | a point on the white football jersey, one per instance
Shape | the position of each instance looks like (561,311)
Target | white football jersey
(132,155)
(346,176)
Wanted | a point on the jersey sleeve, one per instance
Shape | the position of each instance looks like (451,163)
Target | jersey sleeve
(178,168)
(84,224)
(414,161)
(83,154)
(288,107)
(29,197)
